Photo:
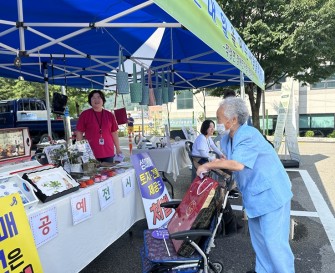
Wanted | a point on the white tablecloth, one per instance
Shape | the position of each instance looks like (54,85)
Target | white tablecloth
(76,246)
(169,160)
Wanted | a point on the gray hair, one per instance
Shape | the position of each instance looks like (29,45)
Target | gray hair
(235,107)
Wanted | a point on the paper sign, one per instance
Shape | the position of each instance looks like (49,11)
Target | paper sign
(18,253)
(106,195)
(152,189)
(81,207)
(128,184)
(44,226)
(84,147)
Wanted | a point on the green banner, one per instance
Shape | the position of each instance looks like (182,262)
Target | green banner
(206,20)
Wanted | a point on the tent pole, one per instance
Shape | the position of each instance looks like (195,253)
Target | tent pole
(46,85)
(142,111)
(263,110)
(21,29)
(67,126)
(242,85)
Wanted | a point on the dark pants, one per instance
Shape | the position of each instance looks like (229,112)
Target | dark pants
(106,159)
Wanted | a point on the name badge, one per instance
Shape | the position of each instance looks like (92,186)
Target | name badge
(101,141)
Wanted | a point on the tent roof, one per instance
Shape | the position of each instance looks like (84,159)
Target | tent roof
(78,42)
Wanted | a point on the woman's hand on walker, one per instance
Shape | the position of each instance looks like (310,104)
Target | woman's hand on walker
(201,170)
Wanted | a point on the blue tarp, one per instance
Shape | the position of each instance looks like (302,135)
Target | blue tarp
(78,42)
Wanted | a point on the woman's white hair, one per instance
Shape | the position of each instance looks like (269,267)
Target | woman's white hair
(235,107)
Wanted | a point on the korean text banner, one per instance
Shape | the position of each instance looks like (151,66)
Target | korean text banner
(18,253)
(206,20)
(153,191)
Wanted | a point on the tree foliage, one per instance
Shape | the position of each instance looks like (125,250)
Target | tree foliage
(288,38)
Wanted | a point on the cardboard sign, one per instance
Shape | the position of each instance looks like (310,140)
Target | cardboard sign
(18,253)
(152,189)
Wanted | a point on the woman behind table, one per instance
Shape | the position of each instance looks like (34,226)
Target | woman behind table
(264,184)
(100,128)
(203,144)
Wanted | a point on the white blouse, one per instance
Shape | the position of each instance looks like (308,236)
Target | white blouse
(202,146)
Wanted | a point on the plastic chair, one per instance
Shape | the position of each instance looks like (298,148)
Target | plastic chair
(194,159)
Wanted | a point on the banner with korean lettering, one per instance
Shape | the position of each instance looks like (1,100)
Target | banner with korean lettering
(153,190)
(206,20)
(18,253)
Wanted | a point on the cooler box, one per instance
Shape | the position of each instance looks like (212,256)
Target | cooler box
(195,211)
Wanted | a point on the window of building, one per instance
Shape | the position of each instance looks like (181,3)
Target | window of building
(304,121)
(276,86)
(185,100)
(322,121)
(325,84)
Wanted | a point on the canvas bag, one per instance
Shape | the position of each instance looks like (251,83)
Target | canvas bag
(121,113)
(195,211)
(122,84)
(152,99)
(158,92)
(135,88)
(145,90)
(170,89)
(165,90)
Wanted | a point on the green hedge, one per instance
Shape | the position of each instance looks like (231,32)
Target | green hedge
(309,134)
(331,135)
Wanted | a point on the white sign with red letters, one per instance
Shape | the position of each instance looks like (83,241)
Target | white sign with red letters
(44,226)
(81,207)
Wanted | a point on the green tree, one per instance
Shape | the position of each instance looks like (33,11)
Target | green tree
(288,38)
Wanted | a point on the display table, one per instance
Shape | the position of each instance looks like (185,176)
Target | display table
(169,160)
(77,245)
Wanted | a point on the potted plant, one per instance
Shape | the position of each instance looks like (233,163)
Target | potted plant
(59,156)
(74,157)
(90,166)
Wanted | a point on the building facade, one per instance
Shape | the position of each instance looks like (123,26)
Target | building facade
(315,108)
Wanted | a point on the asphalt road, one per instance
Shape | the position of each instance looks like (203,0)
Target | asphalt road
(313,237)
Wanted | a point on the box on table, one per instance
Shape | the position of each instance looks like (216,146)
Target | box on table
(13,183)
(15,145)
(51,183)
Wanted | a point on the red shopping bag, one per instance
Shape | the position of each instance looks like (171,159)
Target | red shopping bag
(195,211)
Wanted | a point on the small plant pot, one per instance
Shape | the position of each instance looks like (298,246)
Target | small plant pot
(76,168)
(89,167)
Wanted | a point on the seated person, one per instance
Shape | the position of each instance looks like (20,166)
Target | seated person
(204,145)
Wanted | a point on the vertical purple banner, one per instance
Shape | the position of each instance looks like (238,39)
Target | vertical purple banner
(153,190)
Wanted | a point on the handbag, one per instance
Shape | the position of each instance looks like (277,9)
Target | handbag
(122,84)
(165,90)
(170,89)
(135,88)
(121,113)
(158,92)
(152,99)
(196,211)
(145,90)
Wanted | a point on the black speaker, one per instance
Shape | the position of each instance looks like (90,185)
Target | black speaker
(59,102)
(175,133)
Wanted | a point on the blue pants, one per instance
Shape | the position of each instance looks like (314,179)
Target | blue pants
(270,239)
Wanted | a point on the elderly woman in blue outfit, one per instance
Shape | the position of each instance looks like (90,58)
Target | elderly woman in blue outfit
(264,184)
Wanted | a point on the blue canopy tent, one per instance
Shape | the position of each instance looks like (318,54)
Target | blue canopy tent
(76,42)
